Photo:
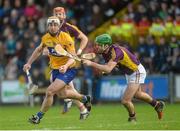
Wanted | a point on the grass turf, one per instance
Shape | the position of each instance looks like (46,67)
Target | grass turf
(103,117)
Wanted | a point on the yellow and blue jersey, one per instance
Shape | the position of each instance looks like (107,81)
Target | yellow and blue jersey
(50,42)
(126,61)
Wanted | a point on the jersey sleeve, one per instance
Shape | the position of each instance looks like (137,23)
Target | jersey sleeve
(43,41)
(69,45)
(73,30)
(116,54)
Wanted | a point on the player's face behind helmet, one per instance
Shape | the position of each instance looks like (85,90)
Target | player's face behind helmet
(102,42)
(53,24)
(60,13)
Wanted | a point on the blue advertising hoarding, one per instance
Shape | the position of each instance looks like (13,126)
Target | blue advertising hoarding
(112,88)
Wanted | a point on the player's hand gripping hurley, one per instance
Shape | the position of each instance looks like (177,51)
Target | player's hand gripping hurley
(31,87)
(63,52)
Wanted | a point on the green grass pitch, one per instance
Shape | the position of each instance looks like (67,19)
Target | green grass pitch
(103,117)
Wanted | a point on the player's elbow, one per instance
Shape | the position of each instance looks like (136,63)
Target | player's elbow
(83,38)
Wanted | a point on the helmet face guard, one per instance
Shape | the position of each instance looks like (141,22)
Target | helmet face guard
(60,13)
(53,19)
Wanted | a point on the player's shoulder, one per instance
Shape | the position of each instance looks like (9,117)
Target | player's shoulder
(45,36)
(65,37)
(64,34)
(71,26)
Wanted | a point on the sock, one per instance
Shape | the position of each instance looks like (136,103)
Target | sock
(83,111)
(81,107)
(84,99)
(40,114)
(153,103)
(132,115)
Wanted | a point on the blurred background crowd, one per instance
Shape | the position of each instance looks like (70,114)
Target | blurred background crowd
(151,28)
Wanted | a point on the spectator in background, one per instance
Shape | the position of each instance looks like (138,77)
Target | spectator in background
(127,29)
(21,55)
(152,10)
(162,54)
(30,11)
(142,50)
(13,18)
(141,11)
(163,14)
(11,69)
(115,28)
(173,58)
(152,52)
(176,30)
(157,29)
(143,26)
(39,78)
(18,6)
(169,26)
(10,46)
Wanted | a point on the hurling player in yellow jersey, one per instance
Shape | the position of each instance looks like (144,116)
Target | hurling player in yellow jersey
(75,33)
(116,56)
(63,68)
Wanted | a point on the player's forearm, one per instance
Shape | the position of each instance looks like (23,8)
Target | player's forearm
(83,42)
(37,52)
(70,62)
(103,68)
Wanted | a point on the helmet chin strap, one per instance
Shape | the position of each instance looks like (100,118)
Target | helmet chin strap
(106,48)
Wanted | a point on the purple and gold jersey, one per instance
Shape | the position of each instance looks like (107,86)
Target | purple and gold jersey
(72,30)
(126,61)
(50,42)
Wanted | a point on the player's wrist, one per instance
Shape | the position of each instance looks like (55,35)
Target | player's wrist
(79,51)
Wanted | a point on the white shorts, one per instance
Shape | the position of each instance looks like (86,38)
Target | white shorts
(138,76)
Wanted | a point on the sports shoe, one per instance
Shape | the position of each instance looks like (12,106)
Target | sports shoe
(88,104)
(67,106)
(132,119)
(34,119)
(84,116)
(159,109)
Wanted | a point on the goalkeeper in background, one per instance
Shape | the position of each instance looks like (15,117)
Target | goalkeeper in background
(75,33)
(116,56)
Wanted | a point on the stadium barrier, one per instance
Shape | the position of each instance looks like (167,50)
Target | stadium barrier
(109,88)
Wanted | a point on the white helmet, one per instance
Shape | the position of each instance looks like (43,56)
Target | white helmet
(53,19)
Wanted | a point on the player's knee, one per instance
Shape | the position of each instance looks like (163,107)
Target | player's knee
(138,95)
(125,102)
(65,92)
(49,92)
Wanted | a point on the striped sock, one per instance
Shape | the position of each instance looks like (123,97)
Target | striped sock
(84,99)
(153,103)
(40,114)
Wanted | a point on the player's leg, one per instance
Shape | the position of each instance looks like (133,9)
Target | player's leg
(67,102)
(60,80)
(127,100)
(84,113)
(158,105)
(48,100)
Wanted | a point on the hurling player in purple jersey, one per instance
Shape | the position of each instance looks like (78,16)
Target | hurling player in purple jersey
(119,57)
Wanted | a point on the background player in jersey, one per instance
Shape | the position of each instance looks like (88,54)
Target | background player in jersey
(63,68)
(75,33)
(116,56)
